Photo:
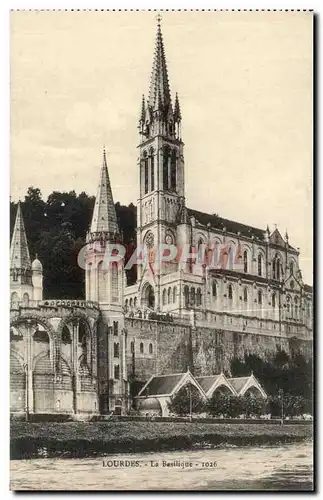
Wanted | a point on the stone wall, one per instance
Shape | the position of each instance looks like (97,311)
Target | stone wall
(205,350)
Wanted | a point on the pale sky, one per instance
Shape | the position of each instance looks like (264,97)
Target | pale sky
(244,81)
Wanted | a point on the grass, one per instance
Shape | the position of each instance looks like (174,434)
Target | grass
(96,438)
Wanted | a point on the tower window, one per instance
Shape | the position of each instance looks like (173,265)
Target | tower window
(214,290)
(245,294)
(116,350)
(115,328)
(164,297)
(173,171)
(230,294)
(174,294)
(141,348)
(192,296)
(132,347)
(152,170)
(150,348)
(165,169)
(117,372)
(146,172)
(169,295)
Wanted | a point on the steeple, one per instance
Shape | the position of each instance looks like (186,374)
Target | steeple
(159,92)
(104,221)
(157,114)
(19,252)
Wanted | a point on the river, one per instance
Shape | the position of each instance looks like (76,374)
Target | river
(282,467)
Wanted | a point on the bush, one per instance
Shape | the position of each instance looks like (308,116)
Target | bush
(224,404)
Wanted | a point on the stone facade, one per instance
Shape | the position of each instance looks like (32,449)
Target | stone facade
(240,291)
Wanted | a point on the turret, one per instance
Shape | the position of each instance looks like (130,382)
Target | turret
(37,279)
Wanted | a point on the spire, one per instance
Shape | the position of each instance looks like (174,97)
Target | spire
(177,110)
(159,86)
(19,252)
(143,110)
(104,218)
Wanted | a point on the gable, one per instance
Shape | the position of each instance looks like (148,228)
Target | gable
(276,239)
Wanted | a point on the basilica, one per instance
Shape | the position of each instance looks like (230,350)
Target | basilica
(185,319)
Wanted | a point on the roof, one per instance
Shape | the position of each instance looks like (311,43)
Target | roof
(207,382)
(231,226)
(104,215)
(19,252)
(238,383)
(164,384)
(308,288)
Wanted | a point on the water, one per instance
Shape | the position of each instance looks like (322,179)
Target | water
(284,467)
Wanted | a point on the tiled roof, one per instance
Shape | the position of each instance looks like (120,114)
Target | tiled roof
(238,383)
(162,385)
(207,382)
(308,288)
(230,225)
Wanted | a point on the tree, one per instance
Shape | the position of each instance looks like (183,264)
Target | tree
(187,397)
(227,405)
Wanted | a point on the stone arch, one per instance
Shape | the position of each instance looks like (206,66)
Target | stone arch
(221,390)
(148,296)
(43,383)
(253,391)
(35,318)
(17,382)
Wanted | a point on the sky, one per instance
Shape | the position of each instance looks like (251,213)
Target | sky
(244,81)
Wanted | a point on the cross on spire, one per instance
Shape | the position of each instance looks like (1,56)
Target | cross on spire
(159,18)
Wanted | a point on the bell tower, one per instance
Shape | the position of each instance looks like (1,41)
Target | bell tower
(104,283)
(161,161)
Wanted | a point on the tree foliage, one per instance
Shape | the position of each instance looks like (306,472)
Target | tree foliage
(56,231)
(188,397)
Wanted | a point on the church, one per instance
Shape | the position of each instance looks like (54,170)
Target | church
(240,291)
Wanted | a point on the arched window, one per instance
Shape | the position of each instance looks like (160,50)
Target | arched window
(173,171)
(230,258)
(273,300)
(245,261)
(245,294)
(260,265)
(165,169)
(214,289)
(174,294)
(164,296)
(200,251)
(291,267)
(296,307)
(150,348)
(116,372)
(192,296)
(25,299)
(132,347)
(130,302)
(141,348)
(126,305)
(14,298)
(116,350)
(152,170)
(114,281)
(66,336)
(186,296)
(146,172)
(135,302)
(278,269)
(198,297)
(260,297)
(169,296)
(230,293)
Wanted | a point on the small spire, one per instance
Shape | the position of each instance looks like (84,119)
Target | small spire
(267,229)
(143,110)
(286,236)
(177,110)
(104,215)
(19,251)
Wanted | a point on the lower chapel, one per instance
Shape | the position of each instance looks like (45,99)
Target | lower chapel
(180,322)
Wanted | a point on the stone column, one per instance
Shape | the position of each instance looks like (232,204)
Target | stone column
(29,369)
(75,353)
